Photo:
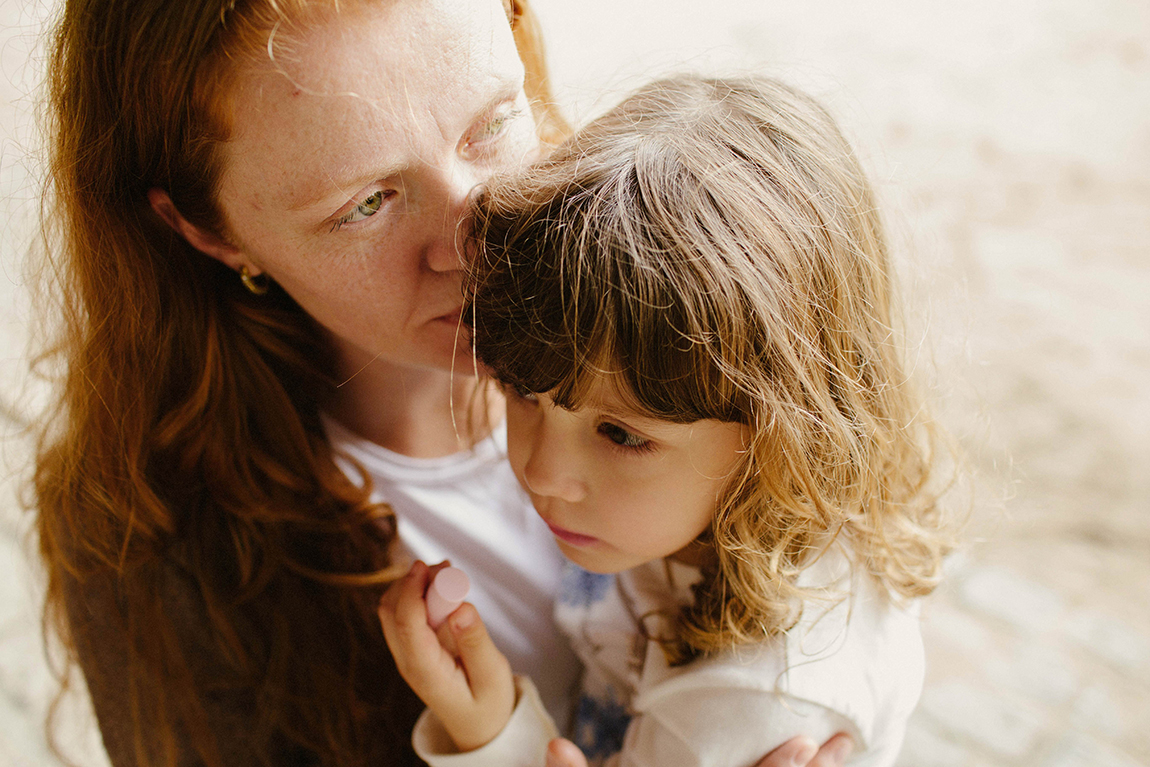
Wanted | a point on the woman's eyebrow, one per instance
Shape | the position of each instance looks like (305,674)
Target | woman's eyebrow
(343,185)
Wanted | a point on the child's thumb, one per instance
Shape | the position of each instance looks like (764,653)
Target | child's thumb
(481,659)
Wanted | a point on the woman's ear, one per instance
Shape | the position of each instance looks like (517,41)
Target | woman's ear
(204,241)
(514,10)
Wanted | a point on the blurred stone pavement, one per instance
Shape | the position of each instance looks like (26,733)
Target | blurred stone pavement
(1010,142)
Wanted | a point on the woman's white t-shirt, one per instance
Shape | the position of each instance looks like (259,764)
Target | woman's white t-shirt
(468,508)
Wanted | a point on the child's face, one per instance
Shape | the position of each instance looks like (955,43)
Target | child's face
(618,488)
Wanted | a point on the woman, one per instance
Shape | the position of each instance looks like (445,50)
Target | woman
(256,218)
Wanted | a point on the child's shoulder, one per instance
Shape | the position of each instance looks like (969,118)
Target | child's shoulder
(854,650)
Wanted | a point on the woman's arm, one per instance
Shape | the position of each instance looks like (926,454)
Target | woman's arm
(97,632)
(98,629)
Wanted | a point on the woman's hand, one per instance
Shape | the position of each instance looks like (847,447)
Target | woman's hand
(802,752)
(457,671)
(796,752)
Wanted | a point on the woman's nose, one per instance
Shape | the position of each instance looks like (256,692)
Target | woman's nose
(446,250)
(552,469)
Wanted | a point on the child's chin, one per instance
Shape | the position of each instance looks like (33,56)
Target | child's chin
(593,561)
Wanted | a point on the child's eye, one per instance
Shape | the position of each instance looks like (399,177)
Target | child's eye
(366,208)
(623,438)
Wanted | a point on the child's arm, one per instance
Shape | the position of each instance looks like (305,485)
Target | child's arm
(456,670)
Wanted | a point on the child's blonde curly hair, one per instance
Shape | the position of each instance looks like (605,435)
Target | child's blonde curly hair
(716,244)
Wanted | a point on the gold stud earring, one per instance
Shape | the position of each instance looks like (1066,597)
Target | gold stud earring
(257,285)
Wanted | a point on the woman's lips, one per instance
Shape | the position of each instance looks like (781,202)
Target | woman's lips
(575,539)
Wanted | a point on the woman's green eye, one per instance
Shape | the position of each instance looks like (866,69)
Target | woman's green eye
(365,209)
(493,127)
(371,205)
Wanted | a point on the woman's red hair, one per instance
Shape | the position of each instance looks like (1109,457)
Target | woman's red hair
(190,511)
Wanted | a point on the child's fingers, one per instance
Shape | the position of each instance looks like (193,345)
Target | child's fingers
(420,659)
(447,639)
(488,671)
(411,604)
(410,610)
(401,608)
(390,597)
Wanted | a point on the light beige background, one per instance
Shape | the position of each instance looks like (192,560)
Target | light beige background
(1010,141)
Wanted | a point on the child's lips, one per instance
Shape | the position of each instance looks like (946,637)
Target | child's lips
(575,539)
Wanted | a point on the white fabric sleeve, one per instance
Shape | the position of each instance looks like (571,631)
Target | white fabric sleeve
(521,743)
(728,726)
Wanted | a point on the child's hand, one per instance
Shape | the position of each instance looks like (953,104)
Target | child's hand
(457,670)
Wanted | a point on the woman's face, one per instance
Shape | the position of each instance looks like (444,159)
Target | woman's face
(354,149)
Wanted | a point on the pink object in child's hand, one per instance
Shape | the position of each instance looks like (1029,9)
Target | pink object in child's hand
(447,591)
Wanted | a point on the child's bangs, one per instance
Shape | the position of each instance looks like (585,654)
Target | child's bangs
(585,290)
(533,357)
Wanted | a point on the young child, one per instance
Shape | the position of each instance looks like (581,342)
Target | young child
(690,307)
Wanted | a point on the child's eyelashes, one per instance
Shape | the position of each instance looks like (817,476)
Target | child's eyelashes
(624,439)
(618,437)
(364,209)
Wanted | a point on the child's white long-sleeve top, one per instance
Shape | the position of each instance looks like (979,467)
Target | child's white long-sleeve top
(853,663)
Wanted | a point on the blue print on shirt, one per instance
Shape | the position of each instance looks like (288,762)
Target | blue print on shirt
(600,726)
(580,588)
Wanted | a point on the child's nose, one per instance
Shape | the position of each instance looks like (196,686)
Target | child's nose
(552,470)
